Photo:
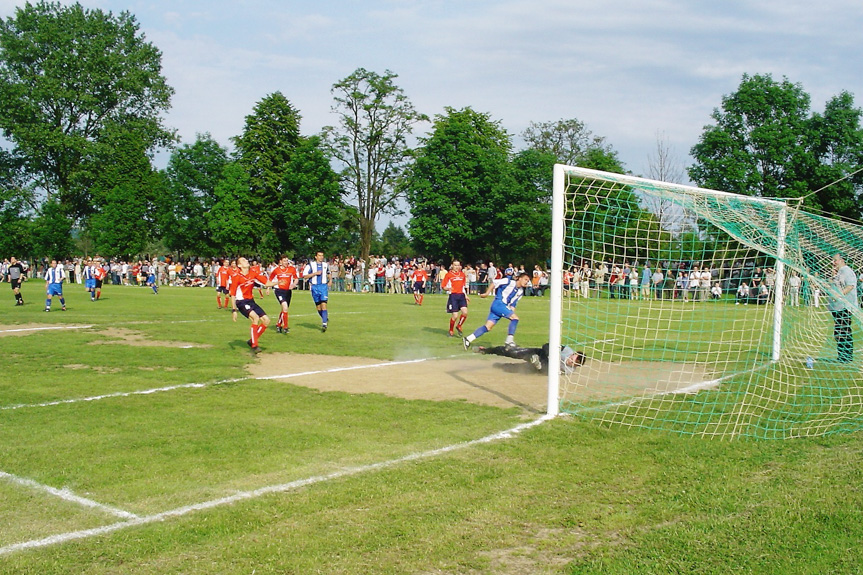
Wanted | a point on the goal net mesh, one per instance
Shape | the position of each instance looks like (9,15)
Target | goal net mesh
(652,276)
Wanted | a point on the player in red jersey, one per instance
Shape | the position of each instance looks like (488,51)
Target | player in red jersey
(222,274)
(420,276)
(456,305)
(241,287)
(286,278)
(99,273)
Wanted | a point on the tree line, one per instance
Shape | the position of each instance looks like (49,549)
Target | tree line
(82,97)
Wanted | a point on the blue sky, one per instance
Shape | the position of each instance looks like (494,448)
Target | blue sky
(628,69)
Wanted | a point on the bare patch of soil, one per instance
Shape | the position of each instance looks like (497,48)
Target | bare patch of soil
(485,380)
(122,336)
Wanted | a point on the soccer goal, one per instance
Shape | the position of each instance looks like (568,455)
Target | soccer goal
(701,312)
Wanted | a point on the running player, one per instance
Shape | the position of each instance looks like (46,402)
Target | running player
(89,279)
(54,278)
(241,287)
(100,273)
(15,274)
(456,304)
(318,275)
(420,277)
(286,278)
(507,292)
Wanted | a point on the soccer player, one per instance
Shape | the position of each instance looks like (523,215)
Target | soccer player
(222,275)
(54,278)
(507,292)
(15,274)
(456,304)
(420,277)
(286,278)
(538,356)
(318,275)
(100,273)
(151,279)
(89,279)
(241,288)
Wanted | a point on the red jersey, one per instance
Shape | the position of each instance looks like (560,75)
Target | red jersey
(420,275)
(454,282)
(243,285)
(224,275)
(285,276)
(99,273)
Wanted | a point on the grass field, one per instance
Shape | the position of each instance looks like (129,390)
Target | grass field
(133,439)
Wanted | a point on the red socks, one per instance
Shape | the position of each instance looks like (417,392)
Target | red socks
(257,331)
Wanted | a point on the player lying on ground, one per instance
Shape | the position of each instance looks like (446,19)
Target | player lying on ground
(538,356)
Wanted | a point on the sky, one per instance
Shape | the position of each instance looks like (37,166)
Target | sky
(633,71)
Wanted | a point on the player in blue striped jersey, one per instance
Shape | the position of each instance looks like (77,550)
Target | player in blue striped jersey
(317,273)
(54,278)
(507,292)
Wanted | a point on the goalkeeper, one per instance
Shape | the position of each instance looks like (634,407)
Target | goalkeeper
(538,356)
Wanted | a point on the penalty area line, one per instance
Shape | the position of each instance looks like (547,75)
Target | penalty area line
(271,489)
(66,495)
(202,385)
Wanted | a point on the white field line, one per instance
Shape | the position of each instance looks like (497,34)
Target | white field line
(247,495)
(23,329)
(66,495)
(200,385)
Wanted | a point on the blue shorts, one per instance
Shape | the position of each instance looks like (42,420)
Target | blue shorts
(499,310)
(283,296)
(455,302)
(55,289)
(222,289)
(247,306)
(419,287)
(90,284)
(320,293)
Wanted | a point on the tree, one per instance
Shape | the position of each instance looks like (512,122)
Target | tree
(311,208)
(459,186)
(664,166)
(758,139)
(375,119)
(65,74)
(193,173)
(264,149)
(124,193)
(51,232)
(232,223)
(765,143)
(394,241)
(572,144)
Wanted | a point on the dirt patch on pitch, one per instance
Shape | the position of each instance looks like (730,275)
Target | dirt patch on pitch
(485,380)
(478,379)
(122,336)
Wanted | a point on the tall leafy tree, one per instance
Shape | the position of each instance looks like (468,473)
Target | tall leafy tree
(573,144)
(16,204)
(124,193)
(459,187)
(232,222)
(51,232)
(270,136)
(765,142)
(311,208)
(65,74)
(375,120)
(193,172)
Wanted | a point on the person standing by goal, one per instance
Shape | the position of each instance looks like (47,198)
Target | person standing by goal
(456,304)
(842,305)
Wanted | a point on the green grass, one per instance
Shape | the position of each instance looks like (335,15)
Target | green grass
(562,497)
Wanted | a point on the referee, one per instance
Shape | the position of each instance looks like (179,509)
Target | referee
(15,274)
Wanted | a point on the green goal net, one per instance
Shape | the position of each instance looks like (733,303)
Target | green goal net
(703,312)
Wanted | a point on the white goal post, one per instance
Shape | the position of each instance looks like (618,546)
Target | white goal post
(563,256)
